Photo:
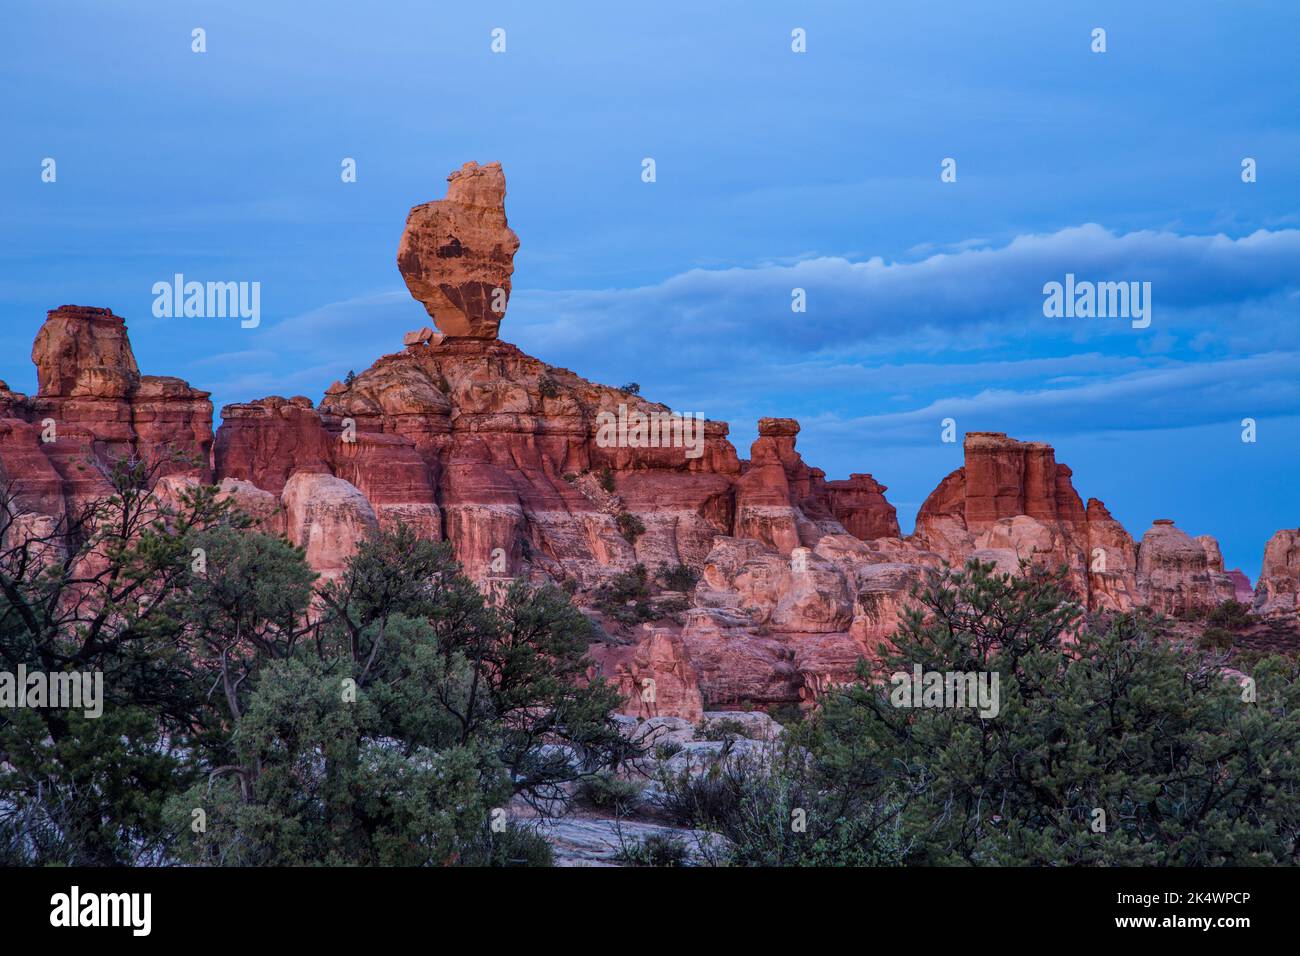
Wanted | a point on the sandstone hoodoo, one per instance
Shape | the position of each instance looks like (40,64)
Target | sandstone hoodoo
(1278,591)
(1177,573)
(720,582)
(457,254)
(92,405)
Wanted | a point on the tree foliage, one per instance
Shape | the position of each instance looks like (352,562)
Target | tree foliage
(258,716)
(1113,744)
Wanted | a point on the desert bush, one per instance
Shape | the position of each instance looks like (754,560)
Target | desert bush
(680,577)
(607,791)
(629,526)
(721,728)
(1215,639)
(656,850)
(1231,616)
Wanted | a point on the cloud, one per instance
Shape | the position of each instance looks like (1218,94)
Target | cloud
(886,349)
(1177,396)
(952,300)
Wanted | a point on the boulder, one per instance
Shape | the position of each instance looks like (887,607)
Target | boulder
(328,518)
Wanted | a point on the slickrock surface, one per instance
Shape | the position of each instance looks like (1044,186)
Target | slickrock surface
(468,439)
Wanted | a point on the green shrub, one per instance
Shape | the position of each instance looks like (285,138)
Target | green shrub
(658,849)
(667,750)
(722,728)
(679,578)
(629,526)
(624,593)
(515,846)
(607,791)
(785,714)
(1214,639)
(1231,616)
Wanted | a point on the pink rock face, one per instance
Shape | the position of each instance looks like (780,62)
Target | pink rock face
(1213,556)
(763,509)
(859,504)
(1243,591)
(1112,561)
(1011,500)
(82,350)
(1278,590)
(735,665)
(266,441)
(173,425)
(328,518)
(655,676)
(262,506)
(101,405)
(26,471)
(457,254)
(785,503)
(395,479)
(1004,478)
(1175,574)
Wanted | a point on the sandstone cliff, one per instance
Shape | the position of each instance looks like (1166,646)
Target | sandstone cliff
(765,581)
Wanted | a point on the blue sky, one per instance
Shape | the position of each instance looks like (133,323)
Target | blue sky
(775,170)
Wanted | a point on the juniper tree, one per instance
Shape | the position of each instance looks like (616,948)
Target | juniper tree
(398,722)
(99,590)
(1114,743)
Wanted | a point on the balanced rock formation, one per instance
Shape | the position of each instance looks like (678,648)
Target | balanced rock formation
(516,464)
(457,254)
